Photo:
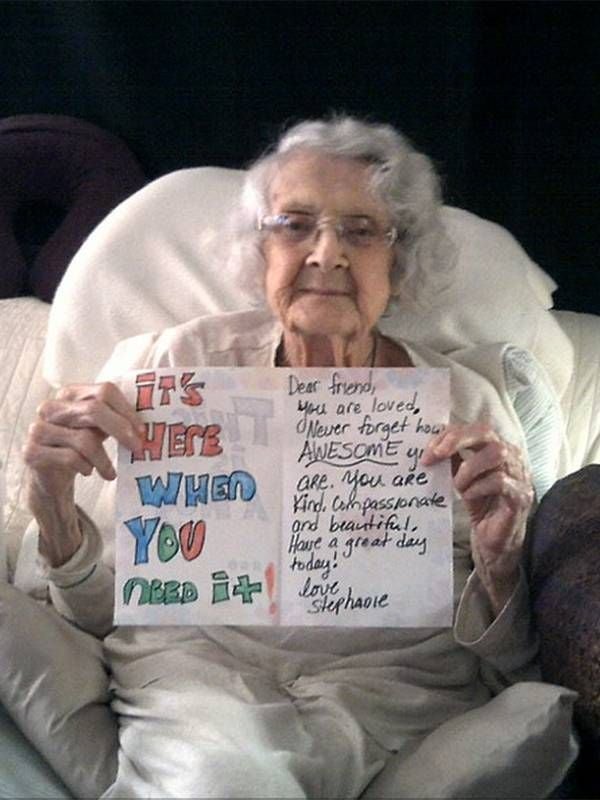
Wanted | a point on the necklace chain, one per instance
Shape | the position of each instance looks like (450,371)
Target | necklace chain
(373,354)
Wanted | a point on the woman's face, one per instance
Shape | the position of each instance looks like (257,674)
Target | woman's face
(326,285)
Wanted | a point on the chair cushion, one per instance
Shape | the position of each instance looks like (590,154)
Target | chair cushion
(54,685)
(581,400)
(23,322)
(23,772)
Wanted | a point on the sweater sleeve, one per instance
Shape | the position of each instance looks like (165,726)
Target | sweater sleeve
(82,589)
(507,644)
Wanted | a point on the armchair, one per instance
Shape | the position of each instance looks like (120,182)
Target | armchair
(156,261)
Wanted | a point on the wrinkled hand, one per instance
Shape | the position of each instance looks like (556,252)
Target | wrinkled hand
(490,476)
(66,439)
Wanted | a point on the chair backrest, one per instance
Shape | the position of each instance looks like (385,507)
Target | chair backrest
(59,176)
(581,400)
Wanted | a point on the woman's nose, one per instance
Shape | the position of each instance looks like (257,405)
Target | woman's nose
(328,251)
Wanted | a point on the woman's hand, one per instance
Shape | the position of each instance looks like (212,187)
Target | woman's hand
(66,439)
(490,476)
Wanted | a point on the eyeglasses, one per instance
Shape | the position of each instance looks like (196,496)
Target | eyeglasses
(295,227)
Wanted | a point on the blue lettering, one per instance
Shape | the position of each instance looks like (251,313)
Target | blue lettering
(155,493)
(196,492)
(143,532)
(246,484)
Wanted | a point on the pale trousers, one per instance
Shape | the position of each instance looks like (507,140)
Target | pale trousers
(197,720)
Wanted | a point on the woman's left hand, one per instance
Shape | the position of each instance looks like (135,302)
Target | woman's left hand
(490,476)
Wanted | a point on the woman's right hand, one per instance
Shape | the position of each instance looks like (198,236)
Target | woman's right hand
(66,439)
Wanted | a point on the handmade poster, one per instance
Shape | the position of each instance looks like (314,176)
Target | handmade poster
(285,497)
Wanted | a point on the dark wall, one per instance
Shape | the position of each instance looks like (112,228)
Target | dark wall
(504,96)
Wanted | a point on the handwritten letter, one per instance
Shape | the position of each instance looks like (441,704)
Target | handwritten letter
(366,529)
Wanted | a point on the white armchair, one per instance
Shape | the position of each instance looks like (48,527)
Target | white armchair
(156,261)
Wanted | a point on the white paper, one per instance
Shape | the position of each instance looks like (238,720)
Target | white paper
(291,497)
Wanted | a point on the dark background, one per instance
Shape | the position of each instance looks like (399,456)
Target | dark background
(503,96)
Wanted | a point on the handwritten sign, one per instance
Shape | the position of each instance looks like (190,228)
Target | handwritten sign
(291,497)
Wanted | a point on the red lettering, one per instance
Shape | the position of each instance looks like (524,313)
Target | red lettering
(145,385)
(152,442)
(191,433)
(167,384)
(191,395)
(177,440)
(181,440)
(191,539)
(210,443)
(145,390)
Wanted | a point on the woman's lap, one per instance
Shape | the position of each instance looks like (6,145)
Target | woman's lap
(288,723)
(199,719)
(228,735)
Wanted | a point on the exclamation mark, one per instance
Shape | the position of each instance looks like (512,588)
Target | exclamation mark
(270,578)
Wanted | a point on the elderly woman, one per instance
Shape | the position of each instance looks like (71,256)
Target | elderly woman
(339,217)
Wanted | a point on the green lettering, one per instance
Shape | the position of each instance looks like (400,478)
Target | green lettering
(189,592)
(130,585)
(167,542)
(171,592)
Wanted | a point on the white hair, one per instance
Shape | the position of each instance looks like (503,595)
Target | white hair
(402,178)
